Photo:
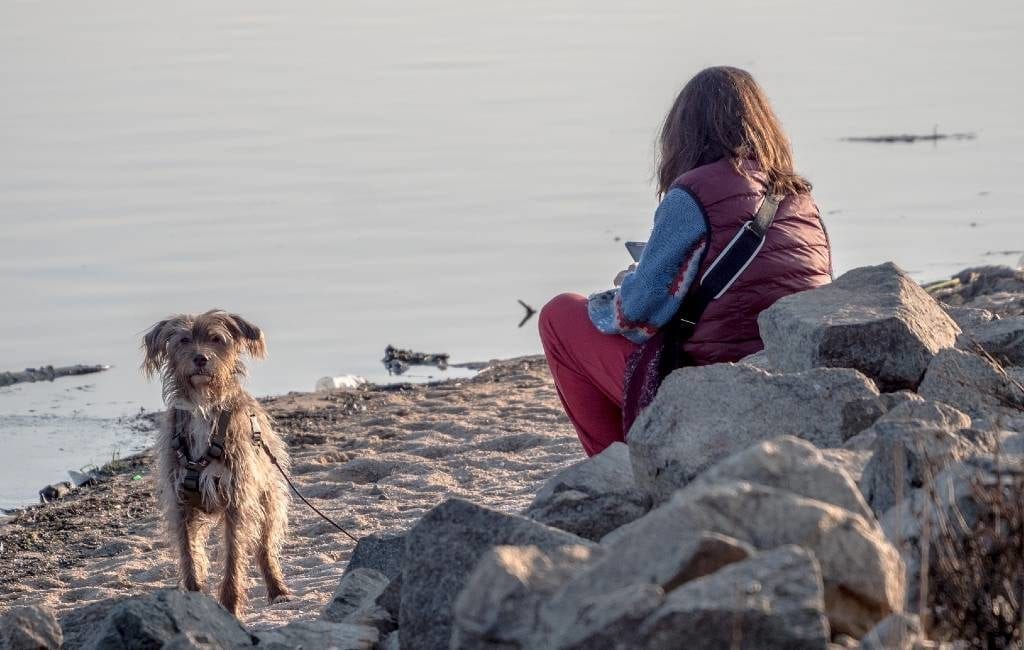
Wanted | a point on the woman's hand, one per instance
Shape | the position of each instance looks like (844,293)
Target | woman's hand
(622,274)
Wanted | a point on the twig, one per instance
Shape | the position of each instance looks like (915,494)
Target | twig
(48,373)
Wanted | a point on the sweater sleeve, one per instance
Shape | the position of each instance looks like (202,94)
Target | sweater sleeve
(651,295)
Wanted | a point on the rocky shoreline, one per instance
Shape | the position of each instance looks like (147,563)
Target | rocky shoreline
(859,483)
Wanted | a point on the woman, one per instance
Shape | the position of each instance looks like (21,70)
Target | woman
(722,150)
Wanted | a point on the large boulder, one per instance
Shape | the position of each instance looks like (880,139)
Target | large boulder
(1002,339)
(654,552)
(875,319)
(704,414)
(153,620)
(911,445)
(977,387)
(789,463)
(308,635)
(30,628)
(896,632)
(862,572)
(441,551)
(359,600)
(593,497)
(772,600)
(500,605)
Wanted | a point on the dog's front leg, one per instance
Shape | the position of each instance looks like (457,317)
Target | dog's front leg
(268,546)
(237,545)
(192,527)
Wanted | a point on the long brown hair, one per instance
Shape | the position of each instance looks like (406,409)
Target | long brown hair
(723,113)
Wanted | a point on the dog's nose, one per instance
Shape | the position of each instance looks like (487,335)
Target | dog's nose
(200,360)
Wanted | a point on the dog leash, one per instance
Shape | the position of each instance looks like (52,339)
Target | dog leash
(257,438)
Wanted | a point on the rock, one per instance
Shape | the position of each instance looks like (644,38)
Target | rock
(649,557)
(79,624)
(391,642)
(772,600)
(592,497)
(851,461)
(355,601)
(703,414)
(968,317)
(312,635)
(154,619)
(875,319)
(862,572)
(608,620)
(29,628)
(55,491)
(792,464)
(447,543)
(759,360)
(896,632)
(382,553)
(1002,339)
(912,444)
(500,605)
(975,386)
(860,414)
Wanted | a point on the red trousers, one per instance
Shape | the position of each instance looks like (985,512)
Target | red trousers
(589,369)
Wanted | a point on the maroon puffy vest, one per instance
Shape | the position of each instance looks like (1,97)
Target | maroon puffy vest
(795,257)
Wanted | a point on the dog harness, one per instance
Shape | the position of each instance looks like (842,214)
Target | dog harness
(190,491)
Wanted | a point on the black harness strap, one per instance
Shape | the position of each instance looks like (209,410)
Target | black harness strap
(194,467)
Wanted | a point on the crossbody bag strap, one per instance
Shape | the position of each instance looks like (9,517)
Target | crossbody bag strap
(727,267)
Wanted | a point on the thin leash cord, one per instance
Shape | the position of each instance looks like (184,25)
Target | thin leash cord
(299,494)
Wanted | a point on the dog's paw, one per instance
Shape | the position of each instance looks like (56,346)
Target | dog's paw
(280,598)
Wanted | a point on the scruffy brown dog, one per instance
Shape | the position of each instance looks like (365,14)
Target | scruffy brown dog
(214,453)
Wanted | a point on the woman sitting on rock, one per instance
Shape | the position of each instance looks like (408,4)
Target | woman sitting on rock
(722,151)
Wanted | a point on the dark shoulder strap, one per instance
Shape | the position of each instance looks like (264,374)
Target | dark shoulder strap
(219,435)
(727,267)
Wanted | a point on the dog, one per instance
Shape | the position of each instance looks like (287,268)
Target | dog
(216,452)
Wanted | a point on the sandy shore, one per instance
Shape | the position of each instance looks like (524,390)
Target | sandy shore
(375,460)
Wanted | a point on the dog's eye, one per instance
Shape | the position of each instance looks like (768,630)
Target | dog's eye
(216,339)
(185,340)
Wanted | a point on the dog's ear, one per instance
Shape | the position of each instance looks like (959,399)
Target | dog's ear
(252,337)
(154,348)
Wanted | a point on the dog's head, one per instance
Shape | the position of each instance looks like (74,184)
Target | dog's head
(199,357)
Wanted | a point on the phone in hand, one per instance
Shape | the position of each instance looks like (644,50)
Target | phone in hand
(635,248)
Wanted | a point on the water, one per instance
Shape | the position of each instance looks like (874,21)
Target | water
(349,175)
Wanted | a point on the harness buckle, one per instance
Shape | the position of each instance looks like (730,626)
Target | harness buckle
(215,450)
(257,432)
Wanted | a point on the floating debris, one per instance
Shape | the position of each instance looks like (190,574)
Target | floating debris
(55,491)
(327,384)
(47,373)
(910,138)
(530,311)
(397,361)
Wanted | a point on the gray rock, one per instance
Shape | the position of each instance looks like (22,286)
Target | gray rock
(862,572)
(79,624)
(975,386)
(896,632)
(772,600)
(860,414)
(760,361)
(792,464)
(446,544)
(313,635)
(1003,339)
(592,497)
(968,317)
(382,553)
(356,601)
(875,319)
(656,552)
(703,414)
(914,443)
(608,620)
(156,618)
(30,628)
(391,642)
(500,605)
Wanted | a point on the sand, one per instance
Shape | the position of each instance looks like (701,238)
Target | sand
(375,460)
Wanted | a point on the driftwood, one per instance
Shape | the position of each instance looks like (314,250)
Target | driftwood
(47,373)
(397,361)
(908,137)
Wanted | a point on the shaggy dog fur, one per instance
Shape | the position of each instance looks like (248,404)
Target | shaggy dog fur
(198,358)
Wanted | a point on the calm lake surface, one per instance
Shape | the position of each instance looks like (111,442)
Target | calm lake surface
(353,174)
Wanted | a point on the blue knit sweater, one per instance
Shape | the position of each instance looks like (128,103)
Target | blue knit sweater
(651,294)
